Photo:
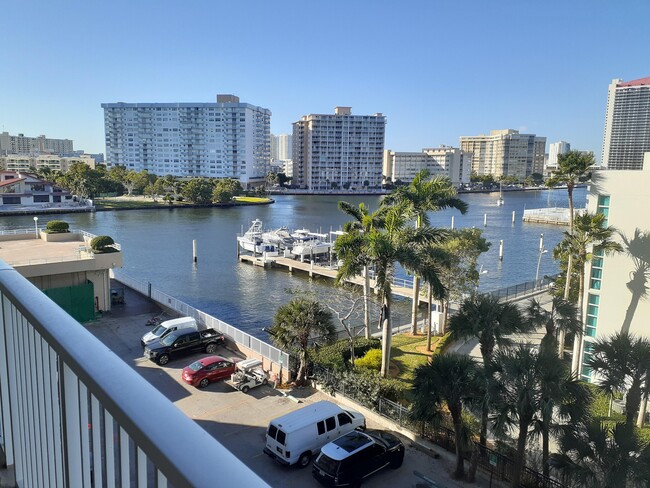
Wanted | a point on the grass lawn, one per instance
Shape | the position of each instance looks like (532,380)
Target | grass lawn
(407,353)
(117,204)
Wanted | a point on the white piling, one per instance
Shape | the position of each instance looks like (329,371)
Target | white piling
(194,258)
(452,222)
(501,250)
(484,220)
(541,242)
(513,216)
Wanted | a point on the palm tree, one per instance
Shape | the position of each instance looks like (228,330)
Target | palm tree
(619,361)
(603,455)
(490,321)
(449,380)
(573,166)
(638,248)
(295,324)
(383,249)
(589,233)
(421,196)
(563,315)
(364,222)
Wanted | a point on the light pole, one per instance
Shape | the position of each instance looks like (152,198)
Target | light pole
(539,261)
(36,226)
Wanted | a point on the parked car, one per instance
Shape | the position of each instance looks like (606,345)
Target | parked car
(182,343)
(204,371)
(167,327)
(351,458)
(299,435)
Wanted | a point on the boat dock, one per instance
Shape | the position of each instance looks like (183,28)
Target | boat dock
(555,216)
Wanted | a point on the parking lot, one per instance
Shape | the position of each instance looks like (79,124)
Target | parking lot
(239,420)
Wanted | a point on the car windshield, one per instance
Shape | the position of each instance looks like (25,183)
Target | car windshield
(328,464)
(196,365)
(158,330)
(168,340)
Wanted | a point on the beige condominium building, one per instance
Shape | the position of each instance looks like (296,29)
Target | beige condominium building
(24,162)
(22,144)
(506,153)
(338,151)
(446,161)
(627,124)
(616,286)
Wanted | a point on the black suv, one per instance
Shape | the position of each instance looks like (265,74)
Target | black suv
(183,342)
(347,460)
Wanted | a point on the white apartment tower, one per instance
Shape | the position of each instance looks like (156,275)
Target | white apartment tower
(506,153)
(227,139)
(338,151)
(281,147)
(446,161)
(627,124)
(22,144)
(554,150)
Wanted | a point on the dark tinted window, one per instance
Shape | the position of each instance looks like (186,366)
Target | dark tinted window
(281,437)
(328,464)
(321,427)
(344,418)
(273,430)
(331,423)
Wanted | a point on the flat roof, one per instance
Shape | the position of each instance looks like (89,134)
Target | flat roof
(36,251)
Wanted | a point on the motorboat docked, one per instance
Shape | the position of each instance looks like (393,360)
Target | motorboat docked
(281,238)
(500,201)
(309,243)
(252,240)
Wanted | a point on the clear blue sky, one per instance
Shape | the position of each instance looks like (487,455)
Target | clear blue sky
(437,70)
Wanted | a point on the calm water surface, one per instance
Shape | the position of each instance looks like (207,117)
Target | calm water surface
(157,247)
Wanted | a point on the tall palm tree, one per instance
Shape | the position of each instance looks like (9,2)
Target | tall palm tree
(589,233)
(449,380)
(295,324)
(621,360)
(563,315)
(491,322)
(424,195)
(603,455)
(573,166)
(364,222)
(637,248)
(383,249)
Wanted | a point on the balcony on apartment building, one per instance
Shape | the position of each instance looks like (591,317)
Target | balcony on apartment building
(73,414)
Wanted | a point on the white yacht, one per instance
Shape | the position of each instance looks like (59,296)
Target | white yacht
(309,243)
(252,239)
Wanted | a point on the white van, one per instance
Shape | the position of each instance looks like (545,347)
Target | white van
(298,436)
(164,328)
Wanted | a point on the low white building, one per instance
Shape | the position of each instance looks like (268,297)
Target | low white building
(447,161)
(19,190)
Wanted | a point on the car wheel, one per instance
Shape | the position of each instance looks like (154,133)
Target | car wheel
(356,483)
(204,382)
(265,381)
(211,348)
(163,359)
(304,459)
(245,389)
(396,462)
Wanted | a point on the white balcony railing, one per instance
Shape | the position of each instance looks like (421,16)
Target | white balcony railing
(73,414)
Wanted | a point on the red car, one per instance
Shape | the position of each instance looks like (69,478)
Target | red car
(212,368)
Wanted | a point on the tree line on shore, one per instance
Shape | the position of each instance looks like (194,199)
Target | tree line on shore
(519,393)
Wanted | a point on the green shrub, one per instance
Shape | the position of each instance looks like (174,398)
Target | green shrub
(442,344)
(365,387)
(57,227)
(371,360)
(336,357)
(102,244)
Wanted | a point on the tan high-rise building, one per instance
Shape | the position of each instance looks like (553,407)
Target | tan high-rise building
(338,151)
(22,144)
(445,161)
(627,124)
(506,153)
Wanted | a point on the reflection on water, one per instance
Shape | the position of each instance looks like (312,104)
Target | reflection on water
(157,246)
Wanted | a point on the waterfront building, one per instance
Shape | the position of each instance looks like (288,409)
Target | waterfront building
(506,153)
(627,124)
(447,161)
(22,144)
(554,150)
(281,147)
(226,139)
(340,150)
(24,162)
(615,297)
(25,191)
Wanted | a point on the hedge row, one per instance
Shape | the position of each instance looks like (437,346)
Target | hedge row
(336,357)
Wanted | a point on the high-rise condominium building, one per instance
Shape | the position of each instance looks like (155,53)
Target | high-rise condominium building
(281,147)
(615,284)
(446,161)
(227,139)
(338,150)
(554,150)
(21,144)
(506,153)
(627,124)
